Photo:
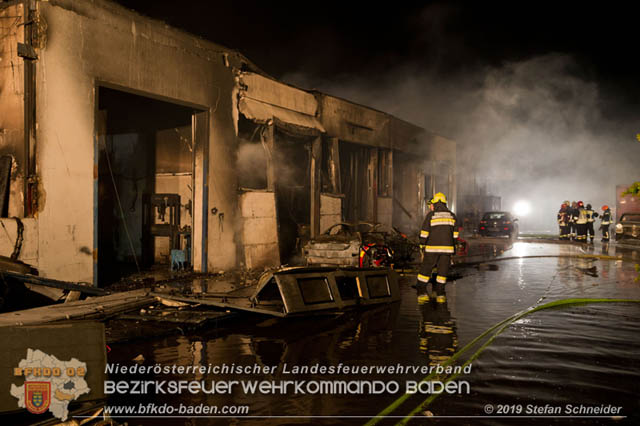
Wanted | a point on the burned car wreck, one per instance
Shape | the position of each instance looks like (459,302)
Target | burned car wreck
(362,245)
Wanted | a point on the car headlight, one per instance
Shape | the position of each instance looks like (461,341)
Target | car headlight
(619,228)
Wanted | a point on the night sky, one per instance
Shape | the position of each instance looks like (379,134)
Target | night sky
(542,97)
(350,38)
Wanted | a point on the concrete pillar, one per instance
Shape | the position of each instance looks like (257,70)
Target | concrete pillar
(334,165)
(372,185)
(269,140)
(316,164)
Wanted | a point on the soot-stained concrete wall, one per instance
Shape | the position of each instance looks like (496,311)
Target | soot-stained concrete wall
(99,43)
(11,101)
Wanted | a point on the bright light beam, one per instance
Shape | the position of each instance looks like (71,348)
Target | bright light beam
(522,208)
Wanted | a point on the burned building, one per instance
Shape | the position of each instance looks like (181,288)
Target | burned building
(128,143)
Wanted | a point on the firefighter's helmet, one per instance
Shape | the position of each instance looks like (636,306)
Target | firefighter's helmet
(588,206)
(439,198)
(605,207)
(580,204)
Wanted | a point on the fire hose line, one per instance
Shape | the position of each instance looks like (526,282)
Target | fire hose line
(497,329)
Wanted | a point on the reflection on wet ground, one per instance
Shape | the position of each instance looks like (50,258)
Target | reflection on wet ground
(587,354)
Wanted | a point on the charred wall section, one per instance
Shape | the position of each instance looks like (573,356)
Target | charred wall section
(387,167)
(12,106)
(92,44)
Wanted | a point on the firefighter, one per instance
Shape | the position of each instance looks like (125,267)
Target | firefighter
(563,221)
(580,216)
(573,210)
(437,238)
(591,217)
(605,221)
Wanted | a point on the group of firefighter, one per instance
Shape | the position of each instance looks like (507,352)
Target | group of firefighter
(576,222)
(440,230)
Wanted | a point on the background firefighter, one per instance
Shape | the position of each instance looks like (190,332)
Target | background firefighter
(591,217)
(437,237)
(573,211)
(580,218)
(563,222)
(605,221)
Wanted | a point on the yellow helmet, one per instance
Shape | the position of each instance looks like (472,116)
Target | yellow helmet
(439,197)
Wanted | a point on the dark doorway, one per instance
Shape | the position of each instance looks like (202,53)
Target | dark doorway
(144,149)
(293,197)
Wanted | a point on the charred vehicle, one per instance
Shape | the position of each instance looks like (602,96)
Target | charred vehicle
(366,245)
(498,224)
(361,245)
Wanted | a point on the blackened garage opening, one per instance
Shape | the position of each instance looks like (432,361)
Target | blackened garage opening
(145,184)
(293,193)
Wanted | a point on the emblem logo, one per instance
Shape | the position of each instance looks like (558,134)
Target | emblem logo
(37,396)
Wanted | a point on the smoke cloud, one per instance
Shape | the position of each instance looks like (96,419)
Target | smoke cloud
(532,130)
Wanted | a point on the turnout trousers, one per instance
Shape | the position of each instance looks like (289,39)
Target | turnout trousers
(439,260)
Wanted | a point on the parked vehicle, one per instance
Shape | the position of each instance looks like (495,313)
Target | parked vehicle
(628,227)
(498,224)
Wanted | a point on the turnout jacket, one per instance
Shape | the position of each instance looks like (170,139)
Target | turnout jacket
(439,230)
(563,217)
(580,216)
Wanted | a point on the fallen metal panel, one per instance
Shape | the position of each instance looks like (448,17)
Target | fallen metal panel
(305,291)
(92,308)
(294,299)
(176,317)
(47,282)
(213,302)
(263,113)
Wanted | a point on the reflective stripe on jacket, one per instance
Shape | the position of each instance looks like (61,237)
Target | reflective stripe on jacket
(439,230)
(581,217)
